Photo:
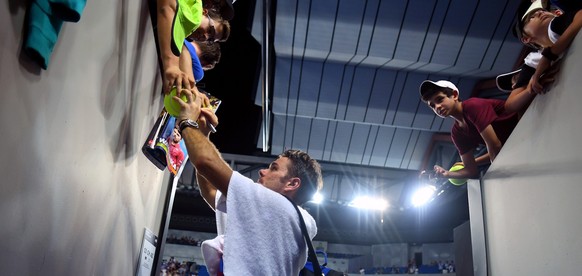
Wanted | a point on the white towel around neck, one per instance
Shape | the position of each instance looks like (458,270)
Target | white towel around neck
(262,232)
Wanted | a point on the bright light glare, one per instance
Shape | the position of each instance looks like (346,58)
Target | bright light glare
(423,195)
(317,198)
(366,202)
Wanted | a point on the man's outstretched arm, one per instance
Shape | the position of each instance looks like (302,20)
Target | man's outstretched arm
(203,154)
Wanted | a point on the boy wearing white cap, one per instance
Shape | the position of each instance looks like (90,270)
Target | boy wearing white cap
(477,121)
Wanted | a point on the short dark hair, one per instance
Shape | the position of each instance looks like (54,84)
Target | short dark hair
(308,170)
(225,25)
(209,53)
(435,90)
(214,5)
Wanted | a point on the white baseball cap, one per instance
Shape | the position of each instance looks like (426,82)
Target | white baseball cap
(429,85)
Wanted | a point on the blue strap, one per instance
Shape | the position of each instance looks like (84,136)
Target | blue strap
(221,268)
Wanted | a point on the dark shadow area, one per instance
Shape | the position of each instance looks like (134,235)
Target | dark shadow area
(235,80)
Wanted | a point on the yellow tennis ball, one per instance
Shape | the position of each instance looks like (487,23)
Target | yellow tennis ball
(454,181)
(171,105)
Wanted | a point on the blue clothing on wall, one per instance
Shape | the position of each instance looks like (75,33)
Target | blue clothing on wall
(196,65)
(45,19)
(68,10)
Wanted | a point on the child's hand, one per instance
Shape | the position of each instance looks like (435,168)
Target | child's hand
(173,76)
(204,99)
(535,86)
(549,76)
(440,171)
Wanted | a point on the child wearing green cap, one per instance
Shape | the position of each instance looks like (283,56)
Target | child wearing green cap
(178,19)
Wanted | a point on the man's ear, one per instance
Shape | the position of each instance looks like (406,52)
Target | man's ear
(294,184)
(204,12)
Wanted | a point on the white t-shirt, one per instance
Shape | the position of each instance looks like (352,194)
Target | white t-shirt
(262,231)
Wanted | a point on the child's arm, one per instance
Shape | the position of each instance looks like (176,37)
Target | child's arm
(186,64)
(470,169)
(521,97)
(172,73)
(518,99)
(491,141)
(557,49)
(482,159)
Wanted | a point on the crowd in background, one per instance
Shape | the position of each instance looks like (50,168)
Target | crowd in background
(184,240)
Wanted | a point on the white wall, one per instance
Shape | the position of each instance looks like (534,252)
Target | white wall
(532,190)
(388,255)
(437,252)
(76,192)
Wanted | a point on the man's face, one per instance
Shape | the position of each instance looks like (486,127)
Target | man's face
(176,137)
(276,176)
(442,105)
(535,28)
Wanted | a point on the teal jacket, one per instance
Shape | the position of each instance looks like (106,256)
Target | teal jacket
(44,21)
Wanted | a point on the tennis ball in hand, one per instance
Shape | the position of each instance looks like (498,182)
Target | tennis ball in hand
(457,182)
(171,105)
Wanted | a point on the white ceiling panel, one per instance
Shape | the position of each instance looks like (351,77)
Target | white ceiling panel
(380,95)
(359,93)
(328,93)
(382,144)
(357,145)
(414,30)
(341,142)
(397,147)
(387,29)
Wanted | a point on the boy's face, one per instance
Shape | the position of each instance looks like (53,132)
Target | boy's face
(442,105)
(535,28)
(209,30)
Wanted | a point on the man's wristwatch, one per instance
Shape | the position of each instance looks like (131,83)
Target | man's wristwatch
(187,123)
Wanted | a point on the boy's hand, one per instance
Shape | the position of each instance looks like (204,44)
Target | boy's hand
(549,76)
(204,99)
(440,171)
(535,86)
(173,76)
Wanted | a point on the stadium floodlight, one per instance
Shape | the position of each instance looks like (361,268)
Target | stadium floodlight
(317,198)
(370,203)
(423,195)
